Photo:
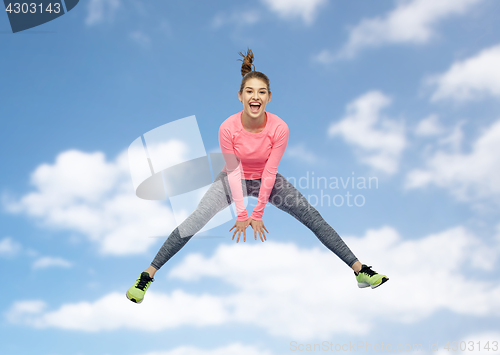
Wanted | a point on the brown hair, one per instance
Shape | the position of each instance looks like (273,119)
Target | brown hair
(248,73)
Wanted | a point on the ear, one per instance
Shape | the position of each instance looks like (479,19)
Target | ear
(270,94)
(239,96)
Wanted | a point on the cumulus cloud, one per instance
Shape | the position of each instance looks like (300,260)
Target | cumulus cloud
(306,10)
(101,10)
(47,261)
(299,287)
(410,22)
(9,247)
(429,126)
(472,78)
(84,193)
(468,176)
(114,311)
(454,138)
(293,292)
(378,140)
(25,308)
(231,349)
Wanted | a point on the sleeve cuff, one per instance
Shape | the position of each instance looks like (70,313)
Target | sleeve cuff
(242,218)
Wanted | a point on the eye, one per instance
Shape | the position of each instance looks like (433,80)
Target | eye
(263,92)
(249,91)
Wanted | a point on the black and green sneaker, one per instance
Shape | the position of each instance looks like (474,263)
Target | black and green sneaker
(367,277)
(137,291)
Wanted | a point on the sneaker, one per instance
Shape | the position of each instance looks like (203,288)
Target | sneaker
(367,277)
(137,291)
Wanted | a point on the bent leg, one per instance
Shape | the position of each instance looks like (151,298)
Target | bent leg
(215,200)
(287,198)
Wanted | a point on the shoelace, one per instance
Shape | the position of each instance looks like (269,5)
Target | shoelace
(143,282)
(368,271)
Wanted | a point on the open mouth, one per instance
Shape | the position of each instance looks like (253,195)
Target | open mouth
(254,107)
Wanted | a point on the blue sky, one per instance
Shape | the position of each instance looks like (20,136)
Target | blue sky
(403,92)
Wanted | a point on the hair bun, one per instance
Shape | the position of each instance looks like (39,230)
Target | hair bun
(246,66)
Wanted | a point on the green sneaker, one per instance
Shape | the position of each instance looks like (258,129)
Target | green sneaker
(367,277)
(137,291)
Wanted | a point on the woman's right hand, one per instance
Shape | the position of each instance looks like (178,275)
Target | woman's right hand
(241,226)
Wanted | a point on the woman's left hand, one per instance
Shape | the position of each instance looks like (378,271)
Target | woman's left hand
(258,226)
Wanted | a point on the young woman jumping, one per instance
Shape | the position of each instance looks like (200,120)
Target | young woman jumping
(252,142)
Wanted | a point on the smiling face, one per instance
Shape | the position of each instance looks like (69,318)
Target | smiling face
(254,97)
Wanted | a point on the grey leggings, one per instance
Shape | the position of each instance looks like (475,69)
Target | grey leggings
(283,195)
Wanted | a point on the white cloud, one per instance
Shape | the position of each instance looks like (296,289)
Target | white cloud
(410,22)
(472,78)
(302,153)
(114,311)
(231,349)
(9,247)
(47,261)
(378,140)
(305,10)
(298,289)
(101,10)
(453,140)
(292,292)
(468,176)
(292,9)
(429,126)
(84,193)
(26,309)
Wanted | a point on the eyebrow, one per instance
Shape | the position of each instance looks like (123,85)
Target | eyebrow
(248,87)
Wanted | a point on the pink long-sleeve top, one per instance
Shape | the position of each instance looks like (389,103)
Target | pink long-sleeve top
(252,156)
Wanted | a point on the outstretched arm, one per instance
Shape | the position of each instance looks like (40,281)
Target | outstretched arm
(234,172)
